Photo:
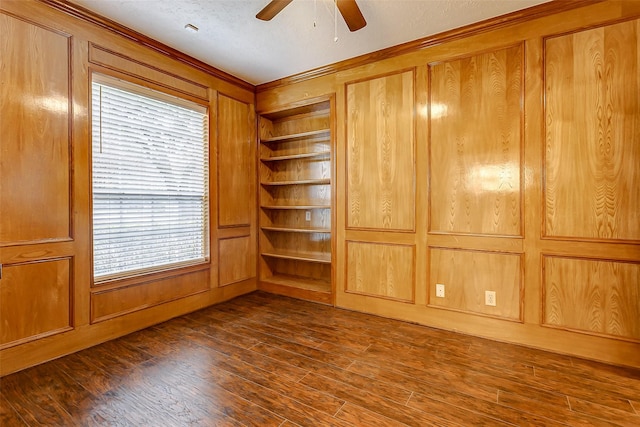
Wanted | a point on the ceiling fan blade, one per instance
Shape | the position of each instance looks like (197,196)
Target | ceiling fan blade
(351,14)
(272,9)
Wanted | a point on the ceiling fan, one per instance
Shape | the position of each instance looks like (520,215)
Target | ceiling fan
(348,9)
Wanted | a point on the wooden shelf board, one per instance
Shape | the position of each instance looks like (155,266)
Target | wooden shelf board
(317,257)
(294,207)
(298,287)
(298,229)
(299,182)
(319,285)
(296,156)
(283,138)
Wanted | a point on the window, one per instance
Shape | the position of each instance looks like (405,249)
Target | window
(150,180)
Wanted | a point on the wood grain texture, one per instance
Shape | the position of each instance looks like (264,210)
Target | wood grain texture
(380,152)
(476,119)
(237,259)
(109,303)
(266,360)
(35,106)
(35,300)
(381,270)
(593,296)
(468,274)
(592,153)
(296,172)
(236,165)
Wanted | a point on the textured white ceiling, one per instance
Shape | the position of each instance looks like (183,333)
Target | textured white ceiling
(232,39)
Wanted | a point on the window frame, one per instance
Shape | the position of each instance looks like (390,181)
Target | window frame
(163,94)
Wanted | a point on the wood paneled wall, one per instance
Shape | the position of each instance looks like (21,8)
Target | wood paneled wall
(501,160)
(476,118)
(380,152)
(592,150)
(49,305)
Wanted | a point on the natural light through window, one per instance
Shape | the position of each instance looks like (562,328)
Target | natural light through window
(150,187)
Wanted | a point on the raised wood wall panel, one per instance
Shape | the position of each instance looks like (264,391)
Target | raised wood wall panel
(476,117)
(593,296)
(380,151)
(381,270)
(592,116)
(236,164)
(107,304)
(35,300)
(237,259)
(35,143)
(468,274)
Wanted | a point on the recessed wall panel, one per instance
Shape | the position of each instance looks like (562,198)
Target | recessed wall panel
(35,108)
(237,259)
(381,270)
(592,116)
(467,275)
(235,163)
(380,153)
(109,303)
(593,296)
(476,120)
(34,300)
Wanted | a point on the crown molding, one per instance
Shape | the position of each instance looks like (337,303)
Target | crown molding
(88,16)
(513,18)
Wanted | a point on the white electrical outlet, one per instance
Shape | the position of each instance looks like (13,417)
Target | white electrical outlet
(490,298)
(307,216)
(439,290)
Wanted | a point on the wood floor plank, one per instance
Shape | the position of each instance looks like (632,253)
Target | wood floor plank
(383,389)
(325,333)
(62,389)
(454,414)
(32,404)
(195,381)
(273,381)
(489,409)
(294,333)
(480,385)
(285,406)
(8,416)
(176,394)
(374,403)
(264,359)
(604,413)
(310,352)
(622,388)
(359,416)
(558,413)
(548,387)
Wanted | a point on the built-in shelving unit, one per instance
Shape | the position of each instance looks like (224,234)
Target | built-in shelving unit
(296,173)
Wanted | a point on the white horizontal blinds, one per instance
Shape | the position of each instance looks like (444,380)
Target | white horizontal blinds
(150,189)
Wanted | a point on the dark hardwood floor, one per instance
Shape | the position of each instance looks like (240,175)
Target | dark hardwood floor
(268,360)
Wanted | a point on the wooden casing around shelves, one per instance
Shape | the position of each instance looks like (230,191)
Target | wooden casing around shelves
(295,177)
